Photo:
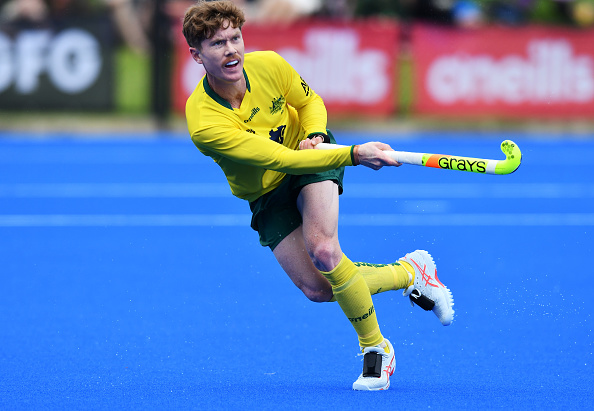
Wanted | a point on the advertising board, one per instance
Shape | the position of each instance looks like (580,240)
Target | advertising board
(512,72)
(66,67)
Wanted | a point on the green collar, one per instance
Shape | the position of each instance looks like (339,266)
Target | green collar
(220,99)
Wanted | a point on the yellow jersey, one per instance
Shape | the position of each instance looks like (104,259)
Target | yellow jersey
(257,144)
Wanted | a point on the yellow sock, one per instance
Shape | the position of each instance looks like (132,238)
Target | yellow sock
(352,294)
(386,277)
(409,268)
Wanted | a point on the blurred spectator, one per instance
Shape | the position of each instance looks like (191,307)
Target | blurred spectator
(575,12)
(24,10)
(338,8)
(435,11)
(128,17)
(509,12)
(583,13)
(366,8)
(563,9)
(568,12)
(474,13)
(176,8)
(18,14)
(41,13)
(449,12)
(278,11)
(64,9)
(467,14)
(520,12)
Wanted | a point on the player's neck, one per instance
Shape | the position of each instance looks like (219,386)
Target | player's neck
(232,92)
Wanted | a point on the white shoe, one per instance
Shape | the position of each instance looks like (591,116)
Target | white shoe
(427,291)
(378,366)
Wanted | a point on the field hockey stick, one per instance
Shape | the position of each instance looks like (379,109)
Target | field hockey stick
(513,158)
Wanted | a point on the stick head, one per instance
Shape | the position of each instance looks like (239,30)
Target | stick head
(513,158)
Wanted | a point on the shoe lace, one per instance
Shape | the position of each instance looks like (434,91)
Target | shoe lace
(382,351)
(408,290)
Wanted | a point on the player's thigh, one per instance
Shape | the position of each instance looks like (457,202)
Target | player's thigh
(318,204)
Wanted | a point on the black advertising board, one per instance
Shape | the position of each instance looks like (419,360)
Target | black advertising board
(57,67)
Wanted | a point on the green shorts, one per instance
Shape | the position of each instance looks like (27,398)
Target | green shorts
(275,214)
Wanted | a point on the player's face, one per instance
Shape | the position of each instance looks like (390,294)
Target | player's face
(222,56)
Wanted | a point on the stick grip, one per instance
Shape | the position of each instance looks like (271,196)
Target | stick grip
(404,157)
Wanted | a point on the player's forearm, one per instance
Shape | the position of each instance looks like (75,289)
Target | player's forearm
(309,161)
(272,156)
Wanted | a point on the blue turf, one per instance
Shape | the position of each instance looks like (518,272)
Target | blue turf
(130,279)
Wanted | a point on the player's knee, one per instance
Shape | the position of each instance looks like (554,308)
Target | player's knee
(325,255)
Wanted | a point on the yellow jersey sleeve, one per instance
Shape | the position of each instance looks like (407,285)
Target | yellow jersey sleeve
(257,144)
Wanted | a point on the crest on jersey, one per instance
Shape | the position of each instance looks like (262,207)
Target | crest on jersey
(277,105)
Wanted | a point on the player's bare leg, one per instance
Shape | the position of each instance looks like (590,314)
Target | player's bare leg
(318,204)
(294,259)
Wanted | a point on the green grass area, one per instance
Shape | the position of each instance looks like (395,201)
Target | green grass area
(132,82)
(404,84)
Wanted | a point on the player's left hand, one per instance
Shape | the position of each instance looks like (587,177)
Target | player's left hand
(310,143)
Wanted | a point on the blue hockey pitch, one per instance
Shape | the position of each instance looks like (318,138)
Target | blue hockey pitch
(130,279)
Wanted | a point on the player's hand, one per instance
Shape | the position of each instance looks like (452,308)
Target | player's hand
(310,143)
(372,155)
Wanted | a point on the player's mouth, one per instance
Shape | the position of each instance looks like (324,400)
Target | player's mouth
(232,64)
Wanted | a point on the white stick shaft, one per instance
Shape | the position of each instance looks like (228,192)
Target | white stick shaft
(404,157)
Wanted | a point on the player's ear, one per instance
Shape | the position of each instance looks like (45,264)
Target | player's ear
(195,55)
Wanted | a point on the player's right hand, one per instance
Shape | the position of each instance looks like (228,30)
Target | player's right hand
(372,155)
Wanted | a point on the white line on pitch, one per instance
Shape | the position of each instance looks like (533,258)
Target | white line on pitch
(234,220)
(115,190)
(354,190)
